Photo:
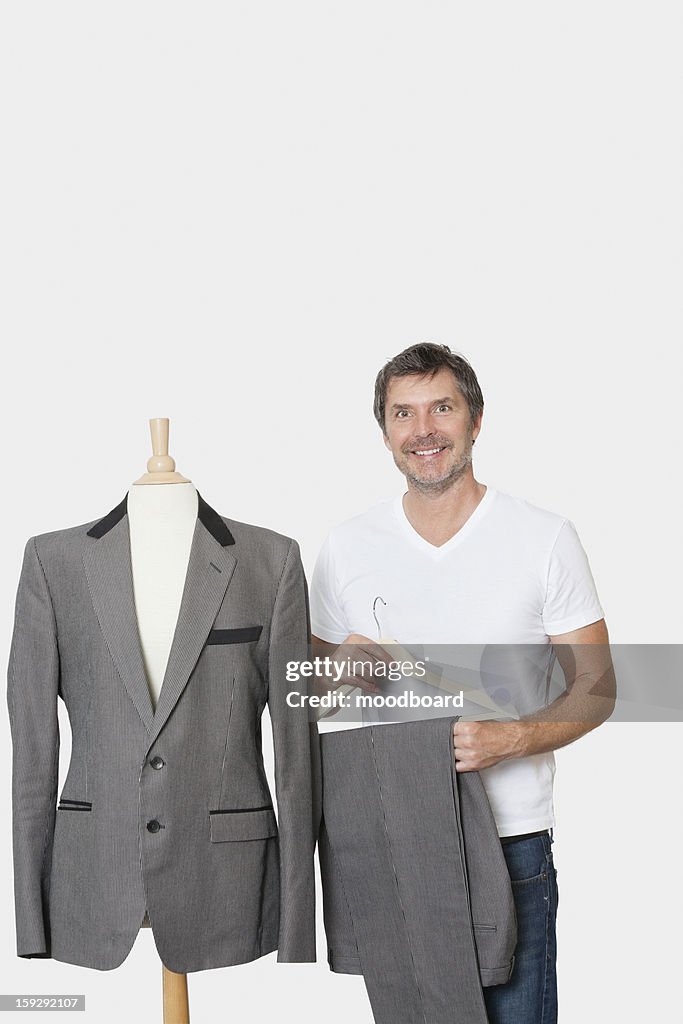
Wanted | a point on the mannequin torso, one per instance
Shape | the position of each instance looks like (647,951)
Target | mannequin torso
(161,521)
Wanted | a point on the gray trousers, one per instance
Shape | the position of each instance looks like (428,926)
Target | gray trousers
(417,895)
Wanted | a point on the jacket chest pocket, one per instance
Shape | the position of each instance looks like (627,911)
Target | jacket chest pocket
(74,805)
(240,635)
(230,826)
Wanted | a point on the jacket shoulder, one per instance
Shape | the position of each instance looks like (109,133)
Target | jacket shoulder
(61,539)
(259,538)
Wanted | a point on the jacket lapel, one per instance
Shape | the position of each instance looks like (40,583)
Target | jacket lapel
(209,571)
(108,567)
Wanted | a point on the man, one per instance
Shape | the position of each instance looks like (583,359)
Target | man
(457,562)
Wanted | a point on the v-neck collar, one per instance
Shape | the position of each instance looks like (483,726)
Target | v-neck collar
(457,539)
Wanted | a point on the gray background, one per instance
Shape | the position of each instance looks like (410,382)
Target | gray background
(232,214)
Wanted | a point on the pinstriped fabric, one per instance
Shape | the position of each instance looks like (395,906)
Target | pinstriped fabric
(35,733)
(295,758)
(145,782)
(417,896)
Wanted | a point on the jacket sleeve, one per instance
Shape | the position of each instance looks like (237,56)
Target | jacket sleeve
(33,684)
(297,774)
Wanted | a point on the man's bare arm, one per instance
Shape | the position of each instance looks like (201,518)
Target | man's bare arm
(585,659)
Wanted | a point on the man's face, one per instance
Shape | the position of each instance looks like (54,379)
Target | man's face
(427,428)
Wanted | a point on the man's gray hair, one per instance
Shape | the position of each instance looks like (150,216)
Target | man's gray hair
(427,358)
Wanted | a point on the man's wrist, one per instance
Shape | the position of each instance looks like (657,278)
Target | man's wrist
(524,735)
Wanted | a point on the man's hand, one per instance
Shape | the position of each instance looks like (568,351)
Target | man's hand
(356,648)
(482,744)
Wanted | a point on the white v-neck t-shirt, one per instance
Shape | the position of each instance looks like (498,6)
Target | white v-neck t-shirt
(513,574)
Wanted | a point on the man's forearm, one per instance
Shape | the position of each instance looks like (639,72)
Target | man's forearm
(482,744)
(538,737)
(587,702)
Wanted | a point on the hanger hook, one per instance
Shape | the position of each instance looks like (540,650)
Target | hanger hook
(374,614)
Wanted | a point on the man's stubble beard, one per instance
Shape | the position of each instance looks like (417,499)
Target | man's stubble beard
(440,484)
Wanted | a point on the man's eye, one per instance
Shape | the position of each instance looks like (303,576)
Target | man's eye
(401,414)
(439,408)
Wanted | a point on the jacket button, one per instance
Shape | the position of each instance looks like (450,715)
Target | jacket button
(153,825)
(157,763)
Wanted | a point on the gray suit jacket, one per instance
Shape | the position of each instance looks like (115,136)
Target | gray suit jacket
(168,811)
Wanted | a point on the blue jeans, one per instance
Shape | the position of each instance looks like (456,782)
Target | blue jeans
(530,997)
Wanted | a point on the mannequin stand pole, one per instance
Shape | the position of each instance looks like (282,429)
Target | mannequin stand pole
(176,1007)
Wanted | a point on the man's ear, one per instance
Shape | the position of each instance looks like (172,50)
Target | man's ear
(476,426)
(386,440)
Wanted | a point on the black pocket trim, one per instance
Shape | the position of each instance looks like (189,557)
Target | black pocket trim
(74,805)
(243,810)
(234,636)
(241,825)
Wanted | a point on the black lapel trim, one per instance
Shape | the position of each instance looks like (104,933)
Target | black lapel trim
(110,520)
(208,516)
(213,522)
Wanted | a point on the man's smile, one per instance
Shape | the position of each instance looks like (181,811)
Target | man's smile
(427,453)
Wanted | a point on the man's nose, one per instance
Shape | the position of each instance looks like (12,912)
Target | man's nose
(424,425)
